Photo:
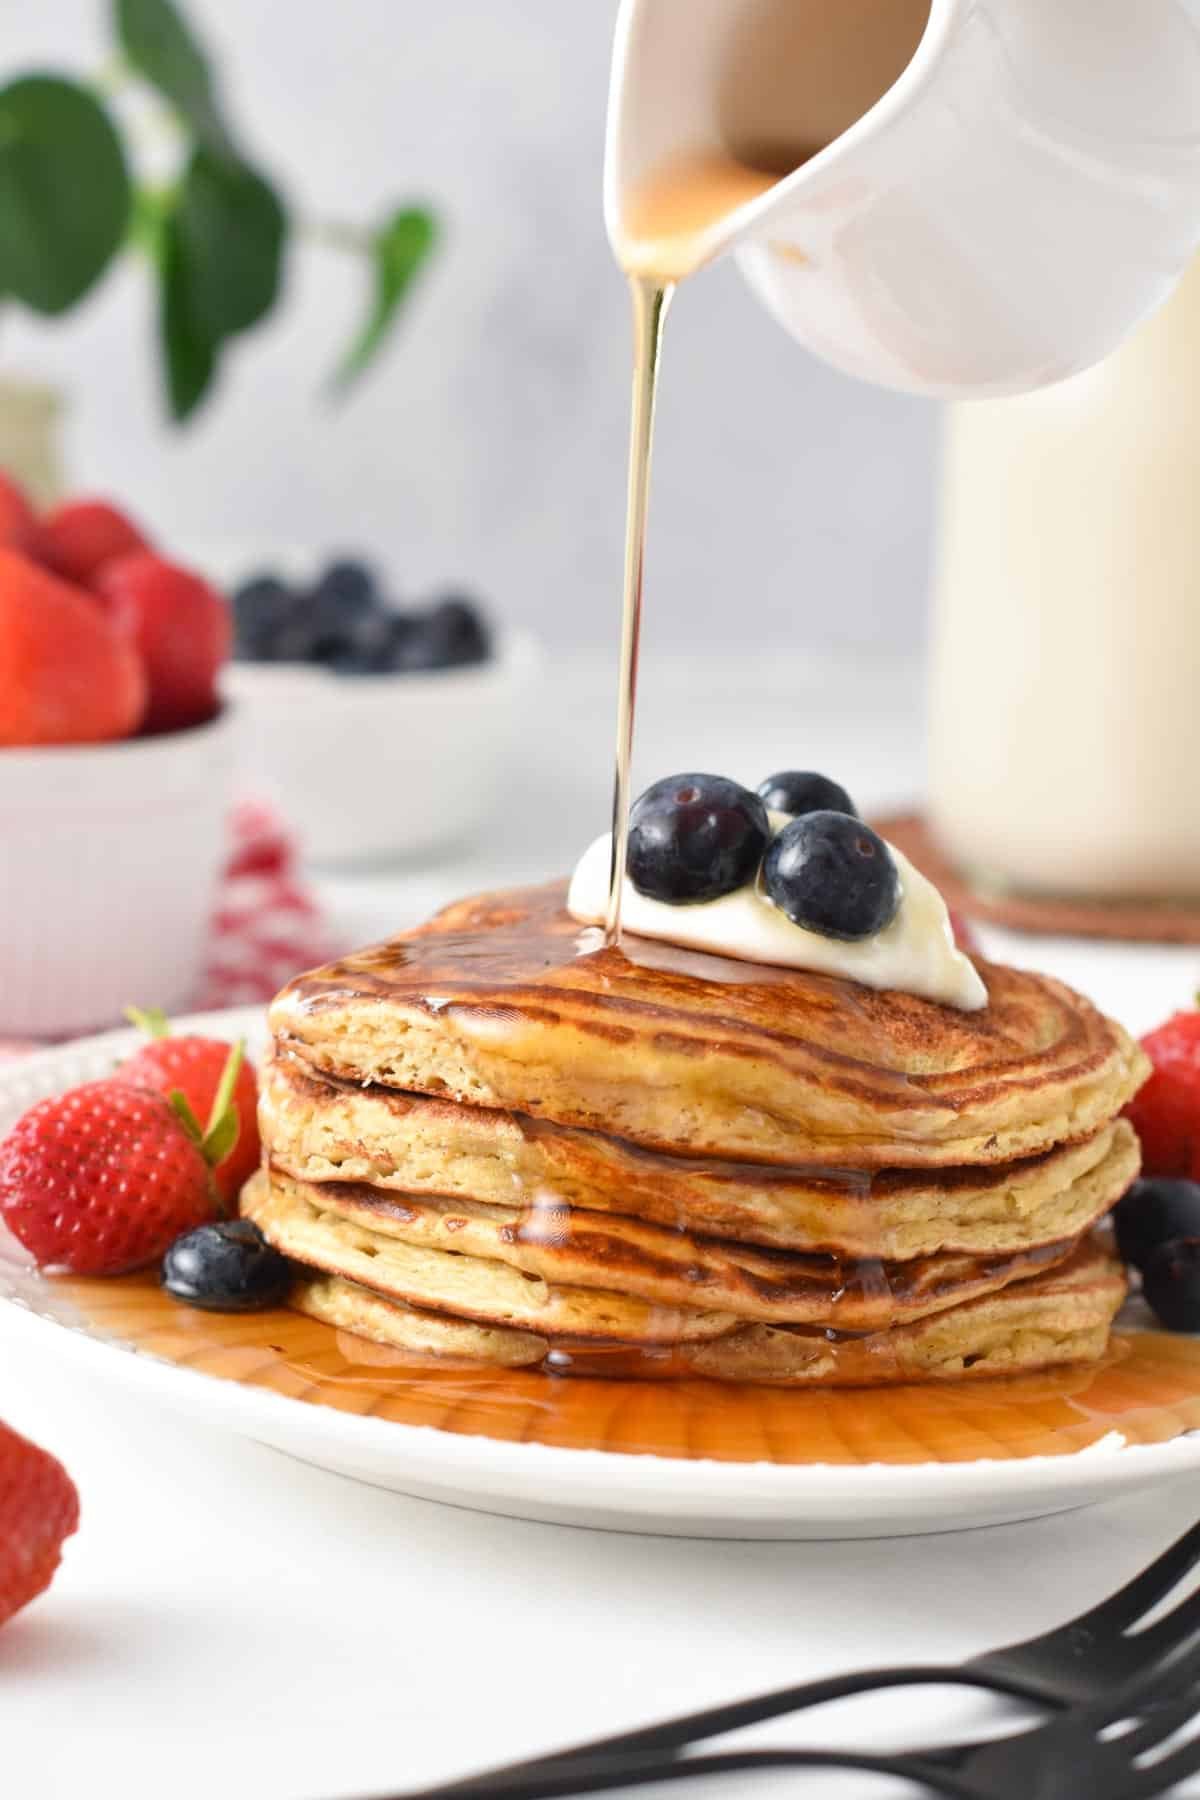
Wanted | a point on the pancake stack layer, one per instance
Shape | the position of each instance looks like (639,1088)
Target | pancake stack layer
(494,1138)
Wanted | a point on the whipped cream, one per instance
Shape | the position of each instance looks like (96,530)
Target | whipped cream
(915,953)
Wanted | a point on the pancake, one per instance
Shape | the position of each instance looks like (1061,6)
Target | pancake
(505,1002)
(319,1129)
(349,1307)
(489,1293)
(1060,1317)
(419,1247)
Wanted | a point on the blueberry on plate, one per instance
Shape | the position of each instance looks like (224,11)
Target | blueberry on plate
(1171,1283)
(695,837)
(227,1266)
(1151,1213)
(799,791)
(832,874)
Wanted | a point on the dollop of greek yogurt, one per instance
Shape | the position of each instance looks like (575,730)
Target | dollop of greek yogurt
(914,954)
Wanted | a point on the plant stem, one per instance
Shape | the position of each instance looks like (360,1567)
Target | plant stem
(114,74)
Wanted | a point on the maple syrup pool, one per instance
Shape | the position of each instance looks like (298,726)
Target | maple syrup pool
(1147,1388)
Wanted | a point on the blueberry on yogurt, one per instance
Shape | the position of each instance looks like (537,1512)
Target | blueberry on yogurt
(830,873)
(694,837)
(797,791)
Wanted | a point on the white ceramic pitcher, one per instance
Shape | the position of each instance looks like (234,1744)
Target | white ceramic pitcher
(998,191)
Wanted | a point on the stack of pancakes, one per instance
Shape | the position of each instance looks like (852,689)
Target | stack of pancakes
(495,1138)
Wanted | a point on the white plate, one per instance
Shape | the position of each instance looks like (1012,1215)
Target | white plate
(533,1481)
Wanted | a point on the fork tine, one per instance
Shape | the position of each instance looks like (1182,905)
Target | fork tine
(1160,1777)
(1130,1602)
(1175,1627)
(1136,1698)
(1159,1722)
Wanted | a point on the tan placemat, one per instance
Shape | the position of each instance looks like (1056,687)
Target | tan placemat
(1135,921)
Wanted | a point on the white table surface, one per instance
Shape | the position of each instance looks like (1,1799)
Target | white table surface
(231,1622)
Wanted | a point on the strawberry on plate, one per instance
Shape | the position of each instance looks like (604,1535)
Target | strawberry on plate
(66,675)
(1166,1110)
(39,1508)
(79,537)
(195,1066)
(182,630)
(104,1178)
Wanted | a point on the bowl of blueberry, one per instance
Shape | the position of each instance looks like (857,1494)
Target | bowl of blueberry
(382,731)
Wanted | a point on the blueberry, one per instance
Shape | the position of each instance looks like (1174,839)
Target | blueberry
(349,586)
(695,837)
(226,1267)
(831,873)
(261,609)
(358,659)
(413,645)
(799,791)
(457,623)
(1171,1283)
(291,638)
(1151,1213)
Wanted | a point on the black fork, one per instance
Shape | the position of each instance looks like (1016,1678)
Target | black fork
(1078,1662)
(1114,1748)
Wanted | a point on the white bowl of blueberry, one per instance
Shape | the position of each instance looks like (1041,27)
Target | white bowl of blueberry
(381,732)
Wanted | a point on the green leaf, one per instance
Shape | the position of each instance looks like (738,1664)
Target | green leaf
(223,1098)
(151,1019)
(64,192)
(399,249)
(181,1107)
(159,43)
(224,1124)
(221,1139)
(230,229)
(152,207)
(189,358)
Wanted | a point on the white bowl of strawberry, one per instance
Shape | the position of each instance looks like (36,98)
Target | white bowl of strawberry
(116,759)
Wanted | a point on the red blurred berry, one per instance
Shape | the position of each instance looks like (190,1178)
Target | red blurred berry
(182,630)
(964,937)
(19,528)
(1166,1110)
(39,1507)
(78,538)
(194,1066)
(102,1179)
(66,675)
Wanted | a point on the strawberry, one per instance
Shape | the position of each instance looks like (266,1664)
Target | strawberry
(18,522)
(964,937)
(39,1507)
(104,1178)
(194,1066)
(181,628)
(78,538)
(66,676)
(1166,1111)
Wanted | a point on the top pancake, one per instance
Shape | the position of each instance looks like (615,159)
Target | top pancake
(505,1001)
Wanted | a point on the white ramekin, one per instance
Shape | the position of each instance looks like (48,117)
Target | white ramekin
(109,860)
(377,767)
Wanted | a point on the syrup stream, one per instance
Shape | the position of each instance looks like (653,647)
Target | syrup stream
(651,299)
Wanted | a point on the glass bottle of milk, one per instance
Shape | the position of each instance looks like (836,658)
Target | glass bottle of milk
(1065,721)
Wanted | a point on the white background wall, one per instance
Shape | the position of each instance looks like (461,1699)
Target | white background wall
(791,506)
